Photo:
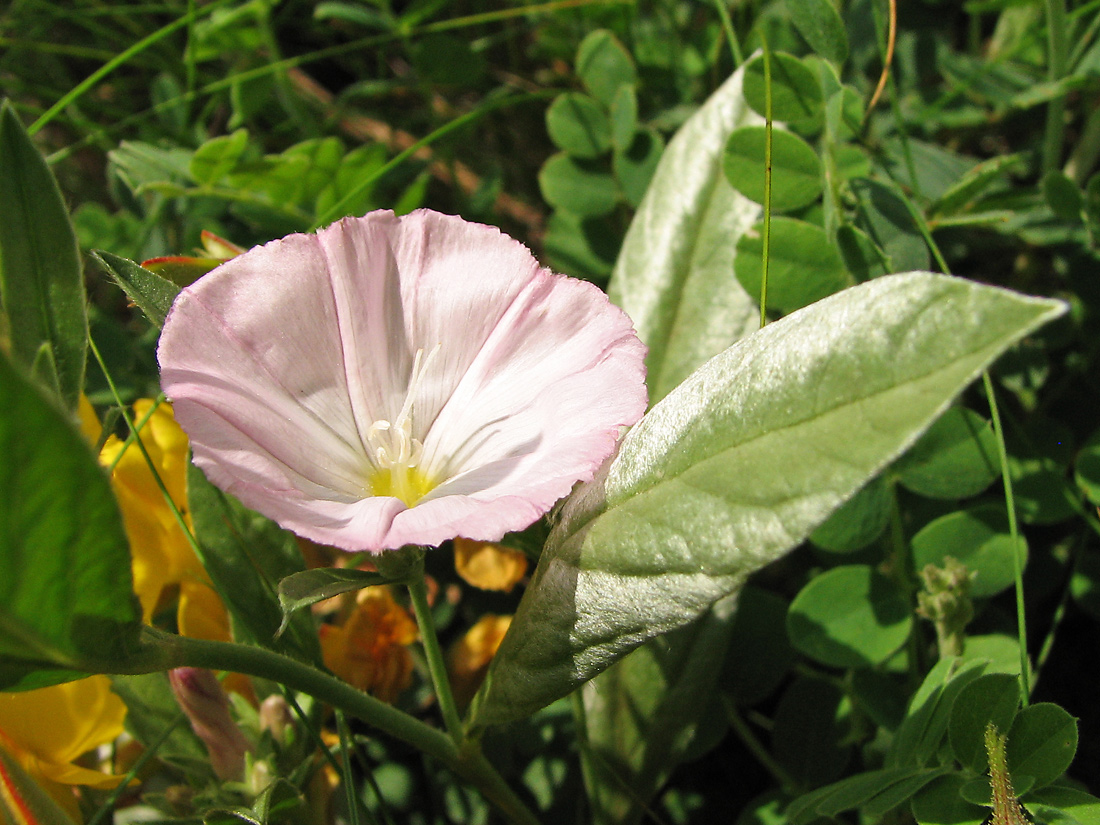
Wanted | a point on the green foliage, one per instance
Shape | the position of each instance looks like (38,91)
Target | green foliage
(65,586)
(268,118)
(154,718)
(820,24)
(246,556)
(673,274)
(803,267)
(978,538)
(579,183)
(579,125)
(956,458)
(308,587)
(795,91)
(152,294)
(849,617)
(796,170)
(41,281)
(696,460)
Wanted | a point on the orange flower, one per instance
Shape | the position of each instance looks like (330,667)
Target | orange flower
(46,730)
(488,565)
(369,650)
(469,658)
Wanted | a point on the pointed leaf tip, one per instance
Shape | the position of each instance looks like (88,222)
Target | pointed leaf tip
(739,464)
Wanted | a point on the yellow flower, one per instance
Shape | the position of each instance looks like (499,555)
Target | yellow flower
(47,730)
(488,565)
(162,555)
(369,650)
(90,427)
(469,658)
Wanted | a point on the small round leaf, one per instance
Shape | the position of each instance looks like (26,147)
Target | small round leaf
(796,94)
(994,698)
(576,186)
(803,266)
(604,65)
(578,125)
(956,458)
(809,729)
(581,247)
(849,617)
(977,538)
(941,803)
(1042,743)
(858,522)
(819,23)
(760,655)
(624,117)
(796,170)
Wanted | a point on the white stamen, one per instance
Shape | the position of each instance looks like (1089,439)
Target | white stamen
(392,443)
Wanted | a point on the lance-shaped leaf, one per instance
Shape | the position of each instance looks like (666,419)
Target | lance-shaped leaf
(152,294)
(739,464)
(41,281)
(66,603)
(308,587)
(674,275)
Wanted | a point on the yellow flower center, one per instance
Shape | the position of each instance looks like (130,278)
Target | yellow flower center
(394,451)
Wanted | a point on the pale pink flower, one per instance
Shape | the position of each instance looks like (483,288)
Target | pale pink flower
(399,380)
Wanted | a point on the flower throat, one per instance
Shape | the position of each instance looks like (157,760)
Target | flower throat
(394,451)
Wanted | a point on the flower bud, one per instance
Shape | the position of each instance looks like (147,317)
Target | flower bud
(202,698)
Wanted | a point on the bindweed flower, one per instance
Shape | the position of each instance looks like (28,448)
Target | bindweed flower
(48,729)
(399,380)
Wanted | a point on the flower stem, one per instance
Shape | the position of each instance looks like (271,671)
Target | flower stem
(1014,532)
(163,651)
(1057,39)
(418,592)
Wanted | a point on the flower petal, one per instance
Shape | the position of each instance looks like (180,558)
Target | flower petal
(283,362)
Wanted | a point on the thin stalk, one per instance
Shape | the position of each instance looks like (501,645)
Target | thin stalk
(903,572)
(123,56)
(1013,530)
(145,452)
(1057,39)
(926,233)
(756,747)
(189,49)
(731,35)
(164,651)
(345,768)
(887,59)
(418,593)
(767,178)
(147,755)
